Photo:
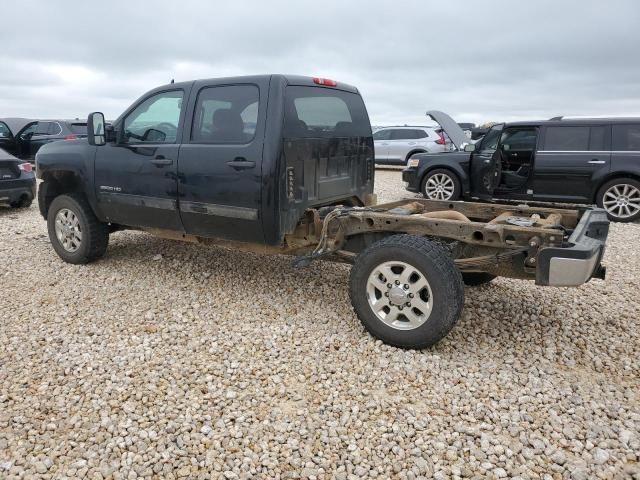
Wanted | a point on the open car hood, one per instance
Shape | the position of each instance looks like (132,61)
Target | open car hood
(450,127)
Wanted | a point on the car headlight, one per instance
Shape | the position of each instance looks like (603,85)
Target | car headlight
(413,162)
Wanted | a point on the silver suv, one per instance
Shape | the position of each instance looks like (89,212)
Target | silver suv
(395,145)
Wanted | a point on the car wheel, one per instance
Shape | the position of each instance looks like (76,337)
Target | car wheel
(475,279)
(620,197)
(407,291)
(24,201)
(75,232)
(441,184)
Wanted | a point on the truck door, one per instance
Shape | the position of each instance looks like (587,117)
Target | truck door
(571,162)
(486,165)
(136,177)
(220,164)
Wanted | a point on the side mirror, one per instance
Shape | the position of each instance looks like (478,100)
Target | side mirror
(95,129)
(470,147)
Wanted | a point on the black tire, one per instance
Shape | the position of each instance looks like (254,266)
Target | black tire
(457,188)
(612,183)
(95,234)
(474,279)
(432,261)
(24,202)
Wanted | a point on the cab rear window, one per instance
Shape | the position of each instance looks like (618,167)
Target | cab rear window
(312,112)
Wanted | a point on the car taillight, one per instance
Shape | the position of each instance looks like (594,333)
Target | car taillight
(325,82)
(71,137)
(441,140)
(26,167)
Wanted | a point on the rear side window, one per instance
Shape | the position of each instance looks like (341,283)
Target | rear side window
(567,139)
(226,114)
(322,112)
(78,128)
(626,138)
(407,134)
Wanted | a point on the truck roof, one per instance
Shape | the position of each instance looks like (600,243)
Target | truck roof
(289,79)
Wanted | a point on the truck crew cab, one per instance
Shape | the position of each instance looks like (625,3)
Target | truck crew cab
(285,164)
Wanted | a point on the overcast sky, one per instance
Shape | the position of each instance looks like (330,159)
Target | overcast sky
(478,61)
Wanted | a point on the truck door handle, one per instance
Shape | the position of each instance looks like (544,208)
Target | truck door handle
(597,162)
(161,161)
(241,163)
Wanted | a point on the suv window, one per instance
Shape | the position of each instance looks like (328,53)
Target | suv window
(155,120)
(490,140)
(226,114)
(566,139)
(382,135)
(47,128)
(78,128)
(315,112)
(597,138)
(626,138)
(518,139)
(4,130)
(407,134)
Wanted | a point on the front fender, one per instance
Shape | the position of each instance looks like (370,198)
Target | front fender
(457,162)
(59,161)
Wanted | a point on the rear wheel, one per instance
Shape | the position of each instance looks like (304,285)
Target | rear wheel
(407,291)
(75,233)
(441,184)
(620,197)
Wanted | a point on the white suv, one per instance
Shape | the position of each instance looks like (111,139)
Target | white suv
(395,145)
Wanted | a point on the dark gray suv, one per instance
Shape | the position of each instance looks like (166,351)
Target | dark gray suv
(586,161)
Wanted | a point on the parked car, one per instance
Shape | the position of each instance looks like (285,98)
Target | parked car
(285,165)
(395,145)
(23,137)
(17,181)
(562,160)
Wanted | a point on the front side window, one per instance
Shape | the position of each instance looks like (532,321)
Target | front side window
(29,131)
(4,130)
(597,138)
(567,139)
(155,120)
(626,138)
(490,140)
(226,114)
(382,135)
(518,139)
(315,112)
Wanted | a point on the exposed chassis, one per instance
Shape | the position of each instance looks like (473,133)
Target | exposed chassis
(554,246)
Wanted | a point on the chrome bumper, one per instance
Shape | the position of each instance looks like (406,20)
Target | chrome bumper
(580,261)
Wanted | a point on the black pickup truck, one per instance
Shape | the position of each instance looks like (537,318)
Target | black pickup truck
(285,165)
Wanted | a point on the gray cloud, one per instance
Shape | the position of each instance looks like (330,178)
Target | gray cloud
(494,60)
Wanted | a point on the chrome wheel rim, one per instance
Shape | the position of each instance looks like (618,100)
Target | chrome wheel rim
(622,200)
(440,187)
(399,295)
(68,230)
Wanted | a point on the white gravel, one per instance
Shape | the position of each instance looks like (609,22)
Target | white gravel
(168,360)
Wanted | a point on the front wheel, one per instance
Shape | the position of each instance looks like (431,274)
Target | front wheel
(407,291)
(620,197)
(441,184)
(75,232)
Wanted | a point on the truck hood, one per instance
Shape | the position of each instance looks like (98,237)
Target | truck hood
(450,127)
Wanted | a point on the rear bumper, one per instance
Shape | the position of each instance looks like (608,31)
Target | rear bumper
(12,190)
(580,261)
(411,179)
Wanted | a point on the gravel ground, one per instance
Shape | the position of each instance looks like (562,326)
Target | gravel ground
(168,360)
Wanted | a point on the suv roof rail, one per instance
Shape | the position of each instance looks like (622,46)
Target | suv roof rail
(552,119)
